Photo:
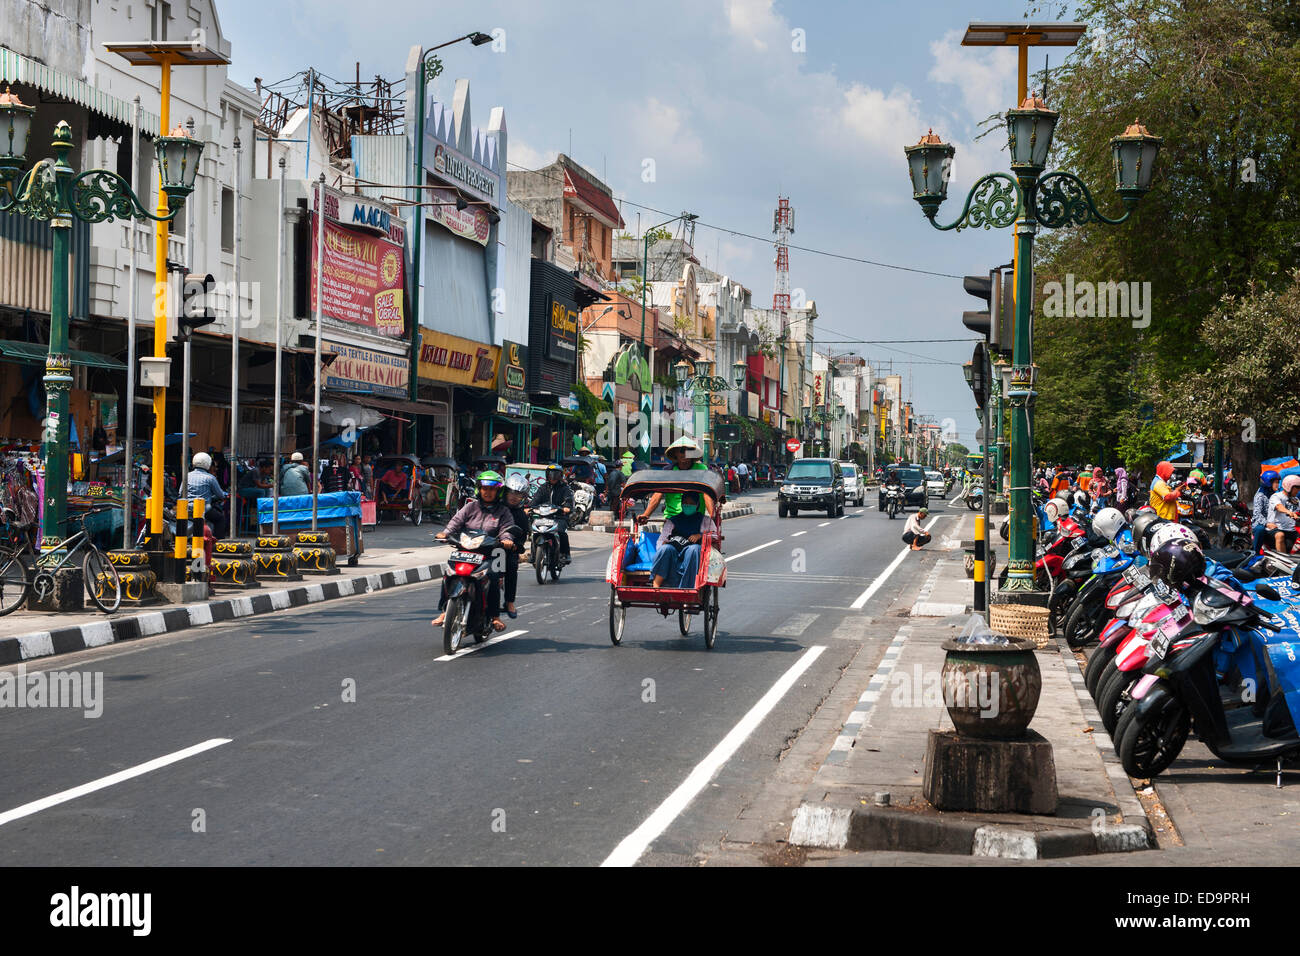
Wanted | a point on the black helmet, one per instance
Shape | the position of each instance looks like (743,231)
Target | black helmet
(1142,524)
(1178,563)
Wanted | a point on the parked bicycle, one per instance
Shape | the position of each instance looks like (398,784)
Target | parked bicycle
(24,573)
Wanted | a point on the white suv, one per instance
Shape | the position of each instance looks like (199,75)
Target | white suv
(854,489)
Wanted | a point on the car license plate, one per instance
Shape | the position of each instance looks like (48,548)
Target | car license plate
(467,557)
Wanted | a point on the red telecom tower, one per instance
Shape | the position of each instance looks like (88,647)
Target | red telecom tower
(783,228)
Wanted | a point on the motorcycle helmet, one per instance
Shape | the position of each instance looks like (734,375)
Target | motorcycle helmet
(202,460)
(1170,532)
(1108,523)
(1269,478)
(1177,563)
(1141,525)
(489,479)
(1053,510)
(553,469)
(1290,483)
(1081,500)
(517,482)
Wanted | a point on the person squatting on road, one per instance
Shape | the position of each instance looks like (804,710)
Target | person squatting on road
(677,559)
(914,535)
(486,514)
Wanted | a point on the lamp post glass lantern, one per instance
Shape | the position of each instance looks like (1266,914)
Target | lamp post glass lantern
(52,191)
(1030,199)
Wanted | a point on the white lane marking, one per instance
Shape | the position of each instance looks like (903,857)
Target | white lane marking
(823,524)
(478,647)
(795,626)
(797,533)
(733,557)
(841,517)
(865,596)
(36,806)
(635,844)
(859,511)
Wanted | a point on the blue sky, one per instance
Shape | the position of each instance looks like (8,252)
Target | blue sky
(716,93)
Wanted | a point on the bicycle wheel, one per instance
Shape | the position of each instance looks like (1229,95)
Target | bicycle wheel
(102,581)
(14,582)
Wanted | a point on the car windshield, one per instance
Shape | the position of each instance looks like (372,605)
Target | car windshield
(934,476)
(809,469)
(850,471)
(910,475)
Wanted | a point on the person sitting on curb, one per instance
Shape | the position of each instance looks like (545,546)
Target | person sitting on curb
(913,534)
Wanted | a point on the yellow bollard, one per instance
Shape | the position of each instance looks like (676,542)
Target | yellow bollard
(196,528)
(182,528)
(979,563)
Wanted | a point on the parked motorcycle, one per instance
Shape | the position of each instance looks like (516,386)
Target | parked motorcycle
(1180,689)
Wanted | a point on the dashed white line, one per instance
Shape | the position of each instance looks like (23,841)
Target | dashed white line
(36,806)
(733,557)
(478,647)
(823,524)
(797,533)
(635,844)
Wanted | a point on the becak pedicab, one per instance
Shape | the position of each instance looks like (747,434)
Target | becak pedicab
(629,572)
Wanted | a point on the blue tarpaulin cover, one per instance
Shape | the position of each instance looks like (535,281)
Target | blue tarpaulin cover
(332,510)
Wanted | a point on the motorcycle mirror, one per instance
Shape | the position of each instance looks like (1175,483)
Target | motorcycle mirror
(1268,592)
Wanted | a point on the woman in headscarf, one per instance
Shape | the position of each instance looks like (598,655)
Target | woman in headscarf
(1164,495)
(1121,489)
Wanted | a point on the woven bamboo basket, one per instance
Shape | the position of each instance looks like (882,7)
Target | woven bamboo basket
(1020,620)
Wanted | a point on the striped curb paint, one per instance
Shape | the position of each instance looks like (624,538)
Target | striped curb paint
(67,640)
(861,715)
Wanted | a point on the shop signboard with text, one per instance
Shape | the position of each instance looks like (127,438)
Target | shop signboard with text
(512,377)
(472,223)
(365,370)
(449,358)
(364,280)
(561,330)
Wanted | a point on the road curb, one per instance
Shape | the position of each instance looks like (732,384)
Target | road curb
(68,640)
(828,826)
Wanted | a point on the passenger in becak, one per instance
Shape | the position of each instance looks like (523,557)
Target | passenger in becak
(677,558)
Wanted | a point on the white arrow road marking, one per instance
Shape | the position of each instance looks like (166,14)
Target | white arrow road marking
(36,806)
(865,596)
(769,544)
(635,844)
(478,647)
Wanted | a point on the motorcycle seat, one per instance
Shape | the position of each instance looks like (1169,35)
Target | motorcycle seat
(1227,556)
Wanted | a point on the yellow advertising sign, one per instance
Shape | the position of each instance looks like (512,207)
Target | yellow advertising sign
(449,358)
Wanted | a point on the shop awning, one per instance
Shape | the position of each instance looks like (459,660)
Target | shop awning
(34,353)
(16,68)
(385,403)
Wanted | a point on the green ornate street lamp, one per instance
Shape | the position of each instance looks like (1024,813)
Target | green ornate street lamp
(52,191)
(705,384)
(1028,199)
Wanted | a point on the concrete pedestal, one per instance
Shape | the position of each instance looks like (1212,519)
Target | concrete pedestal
(69,593)
(185,593)
(992,776)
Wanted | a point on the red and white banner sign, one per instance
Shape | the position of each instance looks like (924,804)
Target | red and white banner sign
(364,279)
(792,445)
(469,223)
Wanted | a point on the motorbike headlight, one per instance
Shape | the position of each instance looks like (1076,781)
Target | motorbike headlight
(1204,613)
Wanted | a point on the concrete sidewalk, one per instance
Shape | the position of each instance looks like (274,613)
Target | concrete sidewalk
(866,795)
(395,555)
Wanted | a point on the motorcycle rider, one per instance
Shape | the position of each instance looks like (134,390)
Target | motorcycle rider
(557,493)
(1164,496)
(1259,510)
(1283,510)
(516,492)
(201,484)
(488,514)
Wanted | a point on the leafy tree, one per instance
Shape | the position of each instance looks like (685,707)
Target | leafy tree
(1253,389)
(1147,442)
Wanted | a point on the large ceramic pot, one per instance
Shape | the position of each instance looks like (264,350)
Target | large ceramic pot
(991,690)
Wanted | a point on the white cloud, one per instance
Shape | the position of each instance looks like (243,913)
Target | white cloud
(523,155)
(985,76)
(883,122)
(667,135)
(753,20)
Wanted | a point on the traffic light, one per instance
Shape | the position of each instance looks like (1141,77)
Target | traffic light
(982,288)
(1004,330)
(726,434)
(196,305)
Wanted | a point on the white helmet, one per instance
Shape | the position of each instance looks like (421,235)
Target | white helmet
(1108,523)
(1170,532)
(1053,510)
(202,460)
(517,482)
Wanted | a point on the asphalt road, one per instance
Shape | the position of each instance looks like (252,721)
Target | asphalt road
(550,747)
